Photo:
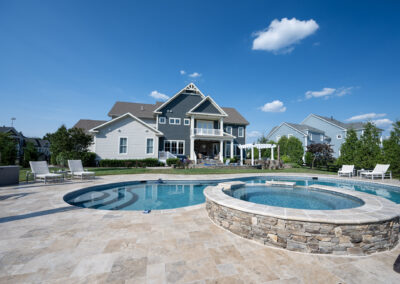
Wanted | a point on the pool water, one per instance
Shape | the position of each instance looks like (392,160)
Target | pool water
(297,198)
(140,196)
(152,195)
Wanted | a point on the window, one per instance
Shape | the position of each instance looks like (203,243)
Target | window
(241,132)
(229,129)
(162,120)
(149,146)
(186,121)
(174,121)
(123,145)
(311,137)
(321,137)
(175,147)
(205,124)
(339,136)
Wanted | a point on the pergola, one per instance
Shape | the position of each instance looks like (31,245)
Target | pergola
(259,147)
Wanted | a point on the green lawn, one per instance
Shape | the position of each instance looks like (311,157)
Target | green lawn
(203,171)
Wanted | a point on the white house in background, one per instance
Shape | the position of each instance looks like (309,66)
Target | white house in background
(188,124)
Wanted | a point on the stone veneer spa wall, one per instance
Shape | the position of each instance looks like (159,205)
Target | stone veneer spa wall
(370,228)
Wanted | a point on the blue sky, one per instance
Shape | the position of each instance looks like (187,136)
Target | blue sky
(272,60)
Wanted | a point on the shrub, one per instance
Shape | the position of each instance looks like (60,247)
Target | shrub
(172,161)
(30,154)
(285,159)
(149,162)
(309,157)
(8,150)
(88,159)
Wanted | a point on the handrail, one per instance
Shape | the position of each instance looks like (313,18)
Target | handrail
(207,131)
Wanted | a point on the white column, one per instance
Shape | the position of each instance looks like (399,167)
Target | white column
(259,154)
(272,154)
(192,125)
(252,156)
(221,149)
(241,156)
(221,126)
(192,153)
(231,149)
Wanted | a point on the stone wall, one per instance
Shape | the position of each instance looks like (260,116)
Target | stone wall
(311,237)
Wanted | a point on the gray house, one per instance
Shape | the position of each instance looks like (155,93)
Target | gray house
(188,124)
(317,129)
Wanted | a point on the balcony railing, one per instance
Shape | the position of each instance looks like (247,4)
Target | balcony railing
(207,131)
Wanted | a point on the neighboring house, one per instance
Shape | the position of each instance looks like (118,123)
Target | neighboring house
(188,124)
(42,146)
(317,129)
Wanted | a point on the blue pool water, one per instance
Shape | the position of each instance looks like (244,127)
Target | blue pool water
(152,195)
(297,197)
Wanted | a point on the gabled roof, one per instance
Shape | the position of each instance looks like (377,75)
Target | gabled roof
(137,109)
(190,88)
(6,129)
(293,126)
(345,126)
(38,142)
(195,109)
(305,127)
(157,132)
(87,124)
(234,117)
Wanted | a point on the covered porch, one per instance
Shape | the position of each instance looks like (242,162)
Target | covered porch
(212,148)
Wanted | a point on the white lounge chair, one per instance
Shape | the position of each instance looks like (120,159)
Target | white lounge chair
(346,170)
(40,170)
(379,171)
(76,169)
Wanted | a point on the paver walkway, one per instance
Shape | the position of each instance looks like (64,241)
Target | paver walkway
(44,240)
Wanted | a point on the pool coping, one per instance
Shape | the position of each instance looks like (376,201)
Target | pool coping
(375,208)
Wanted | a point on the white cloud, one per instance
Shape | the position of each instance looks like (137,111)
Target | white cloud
(183,72)
(195,75)
(384,122)
(366,116)
(253,134)
(329,92)
(274,106)
(159,96)
(282,35)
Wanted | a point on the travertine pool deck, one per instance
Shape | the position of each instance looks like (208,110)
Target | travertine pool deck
(45,240)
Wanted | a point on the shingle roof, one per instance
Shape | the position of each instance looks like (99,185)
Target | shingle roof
(87,124)
(305,127)
(38,142)
(5,129)
(137,109)
(234,116)
(353,125)
(146,111)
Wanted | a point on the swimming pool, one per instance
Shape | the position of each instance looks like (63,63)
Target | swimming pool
(295,197)
(153,195)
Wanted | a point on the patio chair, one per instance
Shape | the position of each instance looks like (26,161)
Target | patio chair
(379,171)
(76,169)
(346,170)
(227,162)
(40,170)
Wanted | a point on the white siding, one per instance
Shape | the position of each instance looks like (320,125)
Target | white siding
(107,140)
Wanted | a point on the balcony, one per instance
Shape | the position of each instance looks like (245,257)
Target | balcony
(207,132)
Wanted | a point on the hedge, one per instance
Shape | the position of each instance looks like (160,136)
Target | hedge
(172,161)
(149,162)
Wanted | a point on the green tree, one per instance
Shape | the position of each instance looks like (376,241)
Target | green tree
(295,150)
(348,150)
(282,142)
(368,152)
(391,149)
(8,149)
(70,143)
(30,154)
(322,153)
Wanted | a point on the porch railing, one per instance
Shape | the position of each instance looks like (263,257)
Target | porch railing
(207,131)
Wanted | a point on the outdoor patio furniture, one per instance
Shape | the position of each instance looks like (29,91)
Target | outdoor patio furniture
(40,170)
(76,169)
(346,170)
(379,171)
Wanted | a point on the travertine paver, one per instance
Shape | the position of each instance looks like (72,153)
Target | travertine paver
(44,240)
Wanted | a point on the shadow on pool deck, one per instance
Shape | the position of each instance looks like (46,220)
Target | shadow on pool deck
(37,214)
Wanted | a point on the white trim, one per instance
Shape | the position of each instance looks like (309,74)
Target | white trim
(222,112)
(339,138)
(159,133)
(240,128)
(289,135)
(176,119)
(162,117)
(284,123)
(186,121)
(177,146)
(190,86)
(147,139)
(119,145)
(320,118)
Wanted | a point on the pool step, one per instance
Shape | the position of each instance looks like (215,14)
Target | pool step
(280,183)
